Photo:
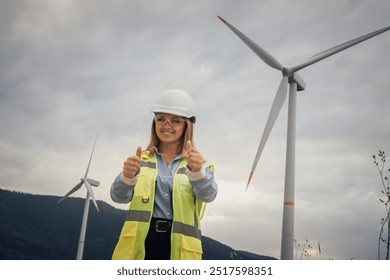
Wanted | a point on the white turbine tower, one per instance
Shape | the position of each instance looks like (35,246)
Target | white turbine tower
(88,184)
(290,76)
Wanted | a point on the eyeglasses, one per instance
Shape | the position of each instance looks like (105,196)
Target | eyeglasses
(175,122)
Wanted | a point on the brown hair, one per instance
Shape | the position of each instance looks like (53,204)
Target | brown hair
(188,135)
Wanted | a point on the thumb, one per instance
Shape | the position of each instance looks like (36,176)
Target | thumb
(139,151)
(189,145)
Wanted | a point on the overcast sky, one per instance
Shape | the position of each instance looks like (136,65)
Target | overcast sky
(70,67)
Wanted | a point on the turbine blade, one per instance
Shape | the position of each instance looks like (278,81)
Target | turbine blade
(78,186)
(280,97)
(89,190)
(259,51)
(338,48)
(90,158)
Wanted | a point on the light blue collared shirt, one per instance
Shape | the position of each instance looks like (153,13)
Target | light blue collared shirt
(202,182)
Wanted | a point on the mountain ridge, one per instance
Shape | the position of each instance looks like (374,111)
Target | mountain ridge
(34,227)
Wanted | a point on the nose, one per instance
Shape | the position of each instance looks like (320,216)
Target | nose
(167,121)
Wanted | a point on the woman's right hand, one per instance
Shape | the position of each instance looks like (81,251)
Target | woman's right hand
(132,164)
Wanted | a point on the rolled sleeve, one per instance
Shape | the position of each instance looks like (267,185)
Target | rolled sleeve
(122,189)
(203,184)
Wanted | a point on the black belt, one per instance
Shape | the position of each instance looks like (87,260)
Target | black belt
(161,225)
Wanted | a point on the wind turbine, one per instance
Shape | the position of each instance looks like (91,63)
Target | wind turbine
(88,184)
(296,83)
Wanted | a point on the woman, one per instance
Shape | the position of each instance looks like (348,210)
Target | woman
(168,186)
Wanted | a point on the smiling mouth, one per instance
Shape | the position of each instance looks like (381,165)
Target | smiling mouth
(167,132)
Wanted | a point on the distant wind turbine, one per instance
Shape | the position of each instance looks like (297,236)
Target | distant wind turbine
(88,184)
(296,84)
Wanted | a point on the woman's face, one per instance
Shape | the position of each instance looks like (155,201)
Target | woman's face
(169,128)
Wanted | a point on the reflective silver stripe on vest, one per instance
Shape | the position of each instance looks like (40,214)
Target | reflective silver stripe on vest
(138,216)
(195,219)
(182,170)
(188,230)
(148,164)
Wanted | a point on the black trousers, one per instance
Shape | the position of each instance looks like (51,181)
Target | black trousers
(158,240)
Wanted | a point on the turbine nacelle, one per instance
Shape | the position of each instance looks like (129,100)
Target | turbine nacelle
(294,78)
(88,183)
(92,182)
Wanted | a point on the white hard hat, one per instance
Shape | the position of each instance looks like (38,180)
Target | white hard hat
(175,102)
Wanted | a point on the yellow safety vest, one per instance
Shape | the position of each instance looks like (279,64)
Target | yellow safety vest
(188,211)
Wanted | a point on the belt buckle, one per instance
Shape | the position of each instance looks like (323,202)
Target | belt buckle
(158,222)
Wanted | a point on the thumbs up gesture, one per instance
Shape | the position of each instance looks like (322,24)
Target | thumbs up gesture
(132,164)
(194,158)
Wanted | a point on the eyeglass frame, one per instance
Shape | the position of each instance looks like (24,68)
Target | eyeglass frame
(162,123)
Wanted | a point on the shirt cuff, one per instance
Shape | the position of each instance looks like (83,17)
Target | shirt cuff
(196,176)
(128,181)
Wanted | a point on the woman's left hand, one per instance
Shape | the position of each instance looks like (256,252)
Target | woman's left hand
(194,158)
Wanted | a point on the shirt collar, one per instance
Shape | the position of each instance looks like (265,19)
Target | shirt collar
(179,156)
